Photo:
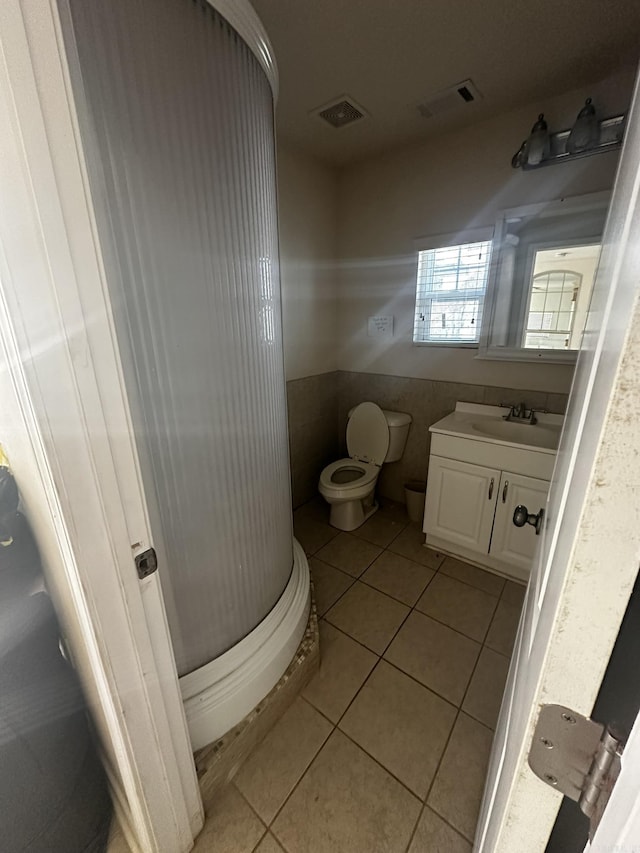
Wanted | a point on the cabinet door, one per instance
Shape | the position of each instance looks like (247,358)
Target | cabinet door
(461,501)
(517,545)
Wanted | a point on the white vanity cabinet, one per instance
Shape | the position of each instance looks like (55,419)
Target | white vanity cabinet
(513,545)
(461,502)
(475,484)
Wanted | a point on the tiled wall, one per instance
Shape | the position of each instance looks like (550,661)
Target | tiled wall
(318,407)
(426,401)
(313,431)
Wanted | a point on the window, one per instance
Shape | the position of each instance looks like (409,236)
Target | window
(450,289)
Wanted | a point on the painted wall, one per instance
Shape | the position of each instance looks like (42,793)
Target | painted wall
(456,181)
(307,203)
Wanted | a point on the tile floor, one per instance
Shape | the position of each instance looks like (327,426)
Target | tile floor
(387,747)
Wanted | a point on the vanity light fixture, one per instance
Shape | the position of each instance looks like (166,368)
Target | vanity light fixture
(588,136)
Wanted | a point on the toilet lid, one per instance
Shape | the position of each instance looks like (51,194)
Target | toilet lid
(368,434)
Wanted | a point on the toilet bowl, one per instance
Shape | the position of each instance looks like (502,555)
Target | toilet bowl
(374,436)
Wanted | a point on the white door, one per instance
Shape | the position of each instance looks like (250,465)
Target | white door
(517,545)
(590,548)
(460,503)
(66,427)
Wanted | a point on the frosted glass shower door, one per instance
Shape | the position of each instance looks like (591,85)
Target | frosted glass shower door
(180,117)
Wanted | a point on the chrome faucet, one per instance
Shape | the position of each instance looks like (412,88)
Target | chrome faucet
(519,413)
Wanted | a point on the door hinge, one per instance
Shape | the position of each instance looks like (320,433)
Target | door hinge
(146,563)
(578,757)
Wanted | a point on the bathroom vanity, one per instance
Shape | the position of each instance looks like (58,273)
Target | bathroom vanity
(481,468)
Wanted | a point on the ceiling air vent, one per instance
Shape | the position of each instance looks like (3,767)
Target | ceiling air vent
(449,99)
(340,112)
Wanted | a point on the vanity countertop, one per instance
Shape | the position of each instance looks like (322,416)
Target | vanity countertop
(487,423)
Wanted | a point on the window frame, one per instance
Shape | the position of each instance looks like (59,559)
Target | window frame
(443,241)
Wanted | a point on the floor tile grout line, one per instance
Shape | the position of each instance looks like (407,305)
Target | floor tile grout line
(345,572)
(419,683)
(335,727)
(434,569)
(389,663)
(298,782)
(306,769)
(482,645)
(261,839)
(399,668)
(343,593)
(353,639)
(399,600)
(466,583)
(446,746)
(395,601)
(279,840)
(444,624)
(360,746)
(319,711)
(393,538)
(426,806)
(336,568)
(384,767)
(413,560)
(459,709)
(380,657)
(451,628)
(262,821)
(410,559)
(415,828)
(493,616)
(414,606)
(381,765)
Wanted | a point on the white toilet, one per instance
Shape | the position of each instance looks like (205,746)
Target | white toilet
(374,436)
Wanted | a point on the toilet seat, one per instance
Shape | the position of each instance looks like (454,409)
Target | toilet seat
(368,434)
(369,472)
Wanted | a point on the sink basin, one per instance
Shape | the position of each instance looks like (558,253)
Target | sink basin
(538,435)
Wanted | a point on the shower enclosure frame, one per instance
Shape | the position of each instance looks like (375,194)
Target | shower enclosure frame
(67,428)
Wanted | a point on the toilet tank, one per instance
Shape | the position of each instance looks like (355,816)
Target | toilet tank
(399,423)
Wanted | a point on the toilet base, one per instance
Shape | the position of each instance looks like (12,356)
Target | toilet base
(349,515)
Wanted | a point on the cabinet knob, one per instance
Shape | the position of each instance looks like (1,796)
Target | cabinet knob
(522,516)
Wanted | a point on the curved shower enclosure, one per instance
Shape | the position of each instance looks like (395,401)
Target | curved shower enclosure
(178,120)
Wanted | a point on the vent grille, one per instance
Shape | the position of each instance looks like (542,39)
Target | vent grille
(341,112)
(454,97)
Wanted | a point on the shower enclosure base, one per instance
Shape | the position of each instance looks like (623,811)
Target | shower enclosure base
(217,763)
(218,695)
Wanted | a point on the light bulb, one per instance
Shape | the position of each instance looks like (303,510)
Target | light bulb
(584,132)
(538,142)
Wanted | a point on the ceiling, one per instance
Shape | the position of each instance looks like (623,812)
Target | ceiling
(390,55)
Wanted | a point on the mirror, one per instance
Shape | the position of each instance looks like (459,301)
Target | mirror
(559,292)
(544,263)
